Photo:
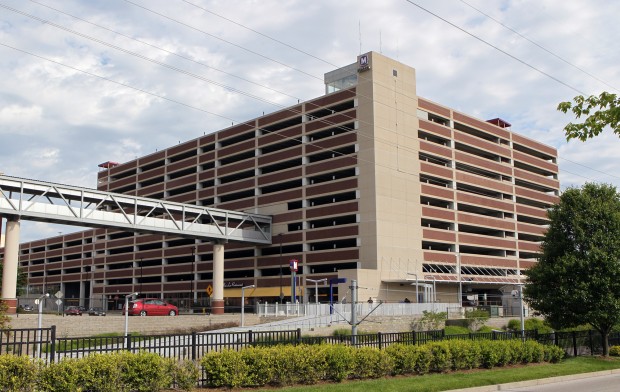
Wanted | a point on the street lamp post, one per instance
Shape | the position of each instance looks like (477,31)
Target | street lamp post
(127,315)
(281,292)
(316,287)
(39,302)
(521,311)
(191,299)
(243,302)
(460,290)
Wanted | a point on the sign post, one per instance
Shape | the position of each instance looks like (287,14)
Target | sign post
(293,263)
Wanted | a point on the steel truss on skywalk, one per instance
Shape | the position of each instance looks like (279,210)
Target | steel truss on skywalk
(64,204)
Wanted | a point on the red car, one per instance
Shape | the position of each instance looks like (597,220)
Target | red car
(73,311)
(151,307)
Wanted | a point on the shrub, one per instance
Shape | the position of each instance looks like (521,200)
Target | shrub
(225,369)
(186,374)
(261,365)
(441,359)
(144,372)
(530,324)
(16,373)
(312,365)
(539,325)
(513,325)
(369,362)
(614,351)
(301,364)
(99,372)
(489,355)
(403,358)
(533,352)
(62,376)
(425,356)
(553,353)
(338,359)
(465,354)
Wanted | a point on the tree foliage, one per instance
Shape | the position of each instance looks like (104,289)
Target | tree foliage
(577,279)
(600,112)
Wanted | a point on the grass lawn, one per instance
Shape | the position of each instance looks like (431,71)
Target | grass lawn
(444,382)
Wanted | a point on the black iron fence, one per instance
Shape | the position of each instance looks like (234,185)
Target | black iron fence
(45,344)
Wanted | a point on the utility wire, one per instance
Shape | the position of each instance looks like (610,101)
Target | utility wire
(540,46)
(159,48)
(496,48)
(175,68)
(335,152)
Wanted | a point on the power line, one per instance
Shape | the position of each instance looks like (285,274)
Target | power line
(178,69)
(539,46)
(496,48)
(208,112)
(160,48)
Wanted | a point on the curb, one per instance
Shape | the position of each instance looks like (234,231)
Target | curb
(541,381)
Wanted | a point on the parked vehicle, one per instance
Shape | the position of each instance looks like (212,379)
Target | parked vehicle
(151,307)
(73,311)
(96,312)
(26,308)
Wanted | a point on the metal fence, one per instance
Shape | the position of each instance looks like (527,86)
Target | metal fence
(45,344)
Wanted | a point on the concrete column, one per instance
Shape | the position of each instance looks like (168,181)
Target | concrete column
(217,301)
(11,261)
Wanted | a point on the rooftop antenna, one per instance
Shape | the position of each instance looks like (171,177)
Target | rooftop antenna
(359,26)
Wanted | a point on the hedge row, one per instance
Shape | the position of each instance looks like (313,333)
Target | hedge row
(309,364)
(114,372)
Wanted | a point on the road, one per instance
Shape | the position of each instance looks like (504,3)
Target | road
(605,381)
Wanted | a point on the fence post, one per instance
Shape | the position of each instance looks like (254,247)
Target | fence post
(379,340)
(53,343)
(298,335)
(591,342)
(250,337)
(575,343)
(414,335)
(128,342)
(193,346)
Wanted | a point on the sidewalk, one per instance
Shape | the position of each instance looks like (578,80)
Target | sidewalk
(531,383)
(81,326)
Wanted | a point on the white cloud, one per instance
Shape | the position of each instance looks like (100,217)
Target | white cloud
(57,123)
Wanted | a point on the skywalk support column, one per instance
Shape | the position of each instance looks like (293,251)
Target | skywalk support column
(11,261)
(217,302)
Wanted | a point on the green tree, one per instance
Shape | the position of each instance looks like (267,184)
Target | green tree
(600,112)
(577,278)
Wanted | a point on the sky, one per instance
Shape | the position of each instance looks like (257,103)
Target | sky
(90,81)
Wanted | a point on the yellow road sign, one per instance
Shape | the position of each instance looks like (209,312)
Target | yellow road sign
(209,290)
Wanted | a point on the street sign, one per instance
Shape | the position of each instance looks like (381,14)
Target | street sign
(58,302)
(209,290)
(59,294)
(293,264)
(337,280)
